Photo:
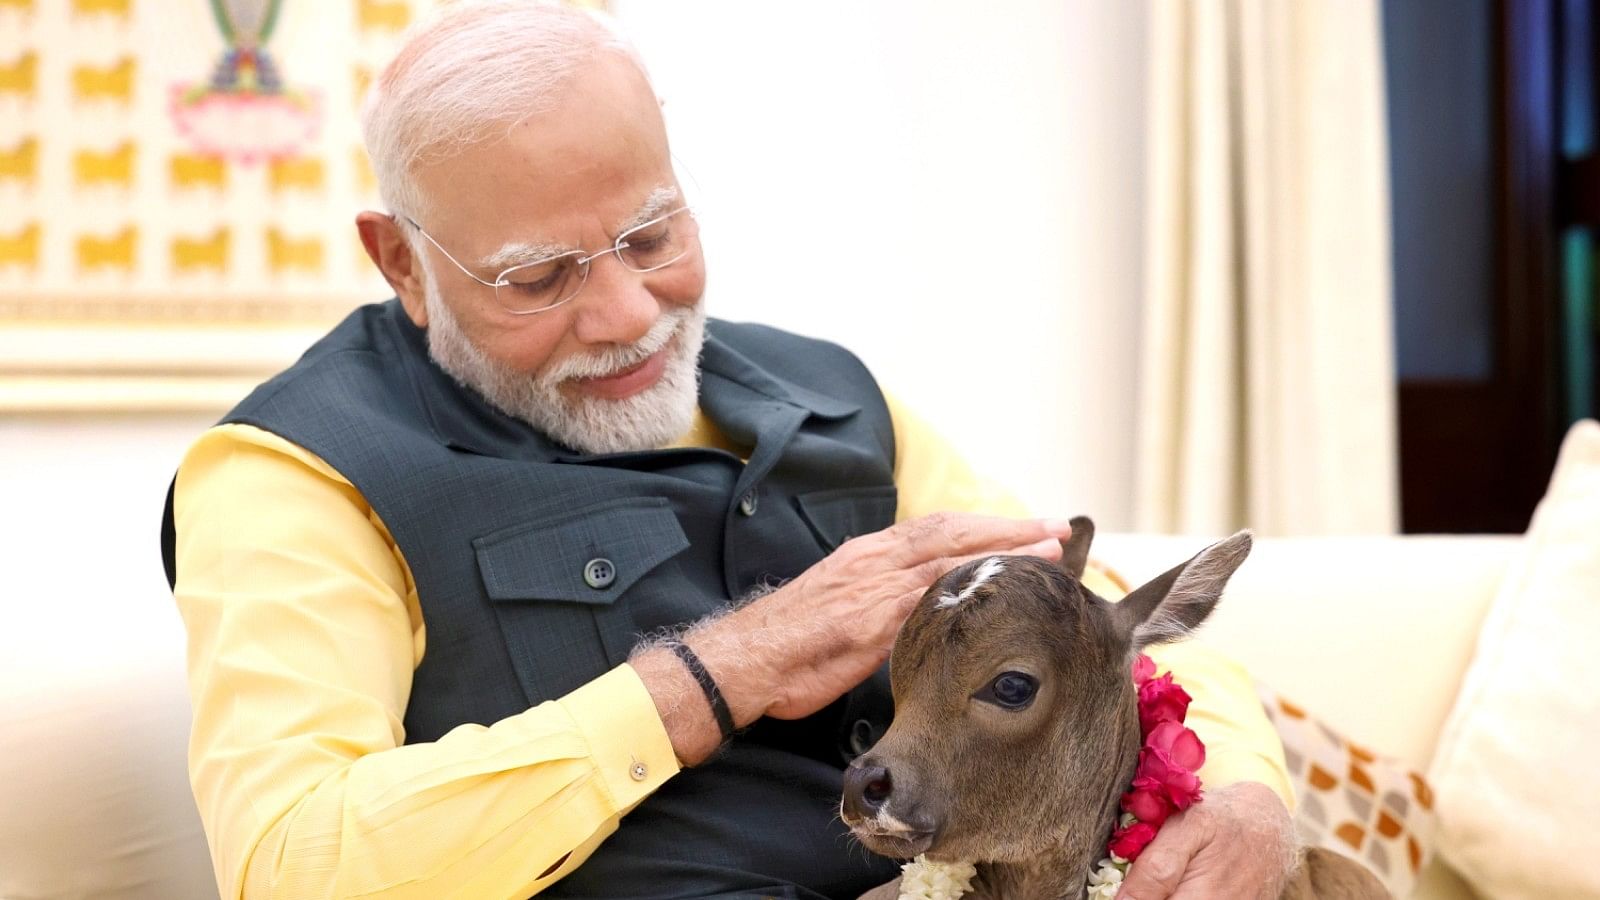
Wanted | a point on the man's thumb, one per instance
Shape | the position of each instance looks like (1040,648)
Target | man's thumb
(1158,870)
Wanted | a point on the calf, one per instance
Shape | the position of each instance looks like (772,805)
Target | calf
(1016,726)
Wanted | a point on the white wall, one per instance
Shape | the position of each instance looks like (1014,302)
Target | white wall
(951,189)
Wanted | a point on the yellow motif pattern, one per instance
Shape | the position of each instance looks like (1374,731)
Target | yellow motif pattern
(92,167)
(112,83)
(285,254)
(360,83)
(192,170)
(21,248)
(386,15)
(108,204)
(304,173)
(120,8)
(363,169)
(21,162)
(192,254)
(20,76)
(116,252)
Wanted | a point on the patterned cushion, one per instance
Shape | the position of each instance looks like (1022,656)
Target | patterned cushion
(1352,801)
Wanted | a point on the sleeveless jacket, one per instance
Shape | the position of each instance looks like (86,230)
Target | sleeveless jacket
(539,567)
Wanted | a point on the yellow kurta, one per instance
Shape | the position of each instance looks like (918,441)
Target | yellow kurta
(304,630)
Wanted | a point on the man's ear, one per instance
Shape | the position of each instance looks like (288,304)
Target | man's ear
(1175,602)
(1075,549)
(389,250)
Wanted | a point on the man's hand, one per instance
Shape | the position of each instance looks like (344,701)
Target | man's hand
(1238,843)
(797,649)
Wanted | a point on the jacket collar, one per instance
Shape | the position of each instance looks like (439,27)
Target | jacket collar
(733,391)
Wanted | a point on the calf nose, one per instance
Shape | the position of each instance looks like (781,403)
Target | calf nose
(866,789)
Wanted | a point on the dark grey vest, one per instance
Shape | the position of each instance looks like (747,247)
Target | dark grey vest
(538,568)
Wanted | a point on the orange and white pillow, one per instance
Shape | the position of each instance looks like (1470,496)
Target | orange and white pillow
(1352,801)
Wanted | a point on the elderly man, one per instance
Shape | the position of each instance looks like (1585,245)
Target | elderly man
(419,568)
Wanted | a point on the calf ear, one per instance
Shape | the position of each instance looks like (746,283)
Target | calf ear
(1075,549)
(1175,603)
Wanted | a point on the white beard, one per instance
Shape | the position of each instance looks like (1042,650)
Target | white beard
(647,420)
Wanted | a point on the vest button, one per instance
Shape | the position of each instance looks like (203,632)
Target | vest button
(599,573)
(748,504)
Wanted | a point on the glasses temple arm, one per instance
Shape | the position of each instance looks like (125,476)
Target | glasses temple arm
(464,269)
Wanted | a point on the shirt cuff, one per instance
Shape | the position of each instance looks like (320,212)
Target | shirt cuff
(626,738)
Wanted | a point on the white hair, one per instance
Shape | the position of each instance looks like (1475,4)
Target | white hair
(647,420)
(471,69)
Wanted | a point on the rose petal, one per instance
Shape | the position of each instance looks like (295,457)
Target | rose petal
(1147,802)
(1129,842)
(1180,744)
(1160,700)
(1143,668)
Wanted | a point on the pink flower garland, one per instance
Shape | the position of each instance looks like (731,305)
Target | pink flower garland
(1165,781)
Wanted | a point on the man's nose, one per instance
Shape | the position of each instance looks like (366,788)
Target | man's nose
(866,790)
(615,306)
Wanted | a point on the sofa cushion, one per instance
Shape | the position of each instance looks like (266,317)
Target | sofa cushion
(1371,808)
(1335,622)
(1515,783)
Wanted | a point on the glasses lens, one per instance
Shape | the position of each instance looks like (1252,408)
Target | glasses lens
(660,243)
(539,285)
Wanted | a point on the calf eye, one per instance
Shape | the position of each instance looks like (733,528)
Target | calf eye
(1011,690)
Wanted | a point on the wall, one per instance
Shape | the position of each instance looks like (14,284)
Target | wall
(950,190)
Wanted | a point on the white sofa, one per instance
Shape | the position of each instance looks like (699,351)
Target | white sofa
(1370,634)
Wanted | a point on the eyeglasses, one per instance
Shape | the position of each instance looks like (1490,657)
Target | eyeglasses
(547,283)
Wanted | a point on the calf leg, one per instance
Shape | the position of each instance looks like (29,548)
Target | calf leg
(1325,875)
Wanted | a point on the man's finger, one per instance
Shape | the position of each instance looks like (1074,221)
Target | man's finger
(934,569)
(952,535)
(1049,548)
(1155,875)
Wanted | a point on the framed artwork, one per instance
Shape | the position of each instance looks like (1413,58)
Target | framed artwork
(178,184)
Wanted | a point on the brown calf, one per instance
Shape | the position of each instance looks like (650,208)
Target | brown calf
(1016,724)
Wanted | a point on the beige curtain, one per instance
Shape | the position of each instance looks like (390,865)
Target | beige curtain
(1267,391)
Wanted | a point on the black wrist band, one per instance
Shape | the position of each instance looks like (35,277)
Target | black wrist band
(719,706)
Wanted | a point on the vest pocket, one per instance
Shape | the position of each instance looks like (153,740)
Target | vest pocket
(838,515)
(554,585)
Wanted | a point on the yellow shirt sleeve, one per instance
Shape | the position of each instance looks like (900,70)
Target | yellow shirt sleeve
(304,630)
(930,476)
(1241,744)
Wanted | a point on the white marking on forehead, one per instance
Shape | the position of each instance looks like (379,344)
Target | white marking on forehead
(985,571)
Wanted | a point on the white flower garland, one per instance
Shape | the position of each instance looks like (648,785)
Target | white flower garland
(1106,879)
(925,879)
